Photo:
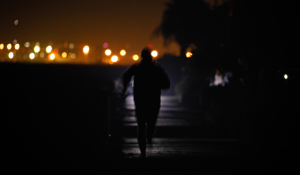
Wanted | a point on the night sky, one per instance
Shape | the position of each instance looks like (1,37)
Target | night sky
(123,24)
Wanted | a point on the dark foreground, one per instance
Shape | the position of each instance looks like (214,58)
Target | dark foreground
(55,121)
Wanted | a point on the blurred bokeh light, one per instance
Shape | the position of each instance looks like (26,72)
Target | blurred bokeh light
(86,49)
(135,57)
(27,44)
(42,54)
(285,76)
(64,54)
(154,53)
(10,55)
(16,22)
(105,45)
(107,52)
(150,46)
(17,46)
(122,52)
(1,46)
(189,54)
(52,56)
(114,58)
(37,49)
(8,46)
(71,45)
(48,49)
(31,56)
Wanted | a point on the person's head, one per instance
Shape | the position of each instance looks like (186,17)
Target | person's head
(146,55)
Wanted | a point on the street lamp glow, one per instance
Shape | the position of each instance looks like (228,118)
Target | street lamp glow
(31,56)
(17,46)
(71,45)
(107,52)
(1,46)
(10,55)
(86,49)
(64,54)
(52,56)
(114,58)
(37,49)
(285,76)
(135,57)
(154,53)
(8,46)
(48,49)
(188,54)
(122,52)
(42,54)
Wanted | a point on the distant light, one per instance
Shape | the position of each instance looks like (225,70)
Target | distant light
(31,56)
(55,50)
(48,49)
(17,46)
(27,44)
(10,55)
(1,46)
(150,46)
(37,44)
(285,76)
(73,55)
(135,57)
(105,45)
(71,45)
(16,22)
(107,52)
(114,58)
(15,41)
(86,49)
(42,54)
(66,45)
(154,53)
(189,54)
(122,52)
(52,56)
(64,54)
(8,46)
(37,49)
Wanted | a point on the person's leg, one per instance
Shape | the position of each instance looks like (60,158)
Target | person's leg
(141,122)
(151,121)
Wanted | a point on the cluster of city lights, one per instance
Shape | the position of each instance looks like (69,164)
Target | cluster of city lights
(36,51)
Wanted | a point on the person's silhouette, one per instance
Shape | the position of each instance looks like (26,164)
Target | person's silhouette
(149,78)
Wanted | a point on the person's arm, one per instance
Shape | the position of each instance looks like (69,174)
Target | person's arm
(127,77)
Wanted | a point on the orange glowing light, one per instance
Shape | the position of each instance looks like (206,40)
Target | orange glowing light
(135,57)
(150,46)
(8,46)
(52,56)
(107,52)
(122,52)
(17,46)
(114,58)
(188,54)
(154,53)
(64,54)
(86,49)
(1,46)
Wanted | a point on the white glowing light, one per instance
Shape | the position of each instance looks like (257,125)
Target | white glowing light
(114,58)
(10,55)
(37,49)
(52,56)
(1,46)
(107,52)
(86,49)
(285,76)
(48,49)
(154,53)
(31,56)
